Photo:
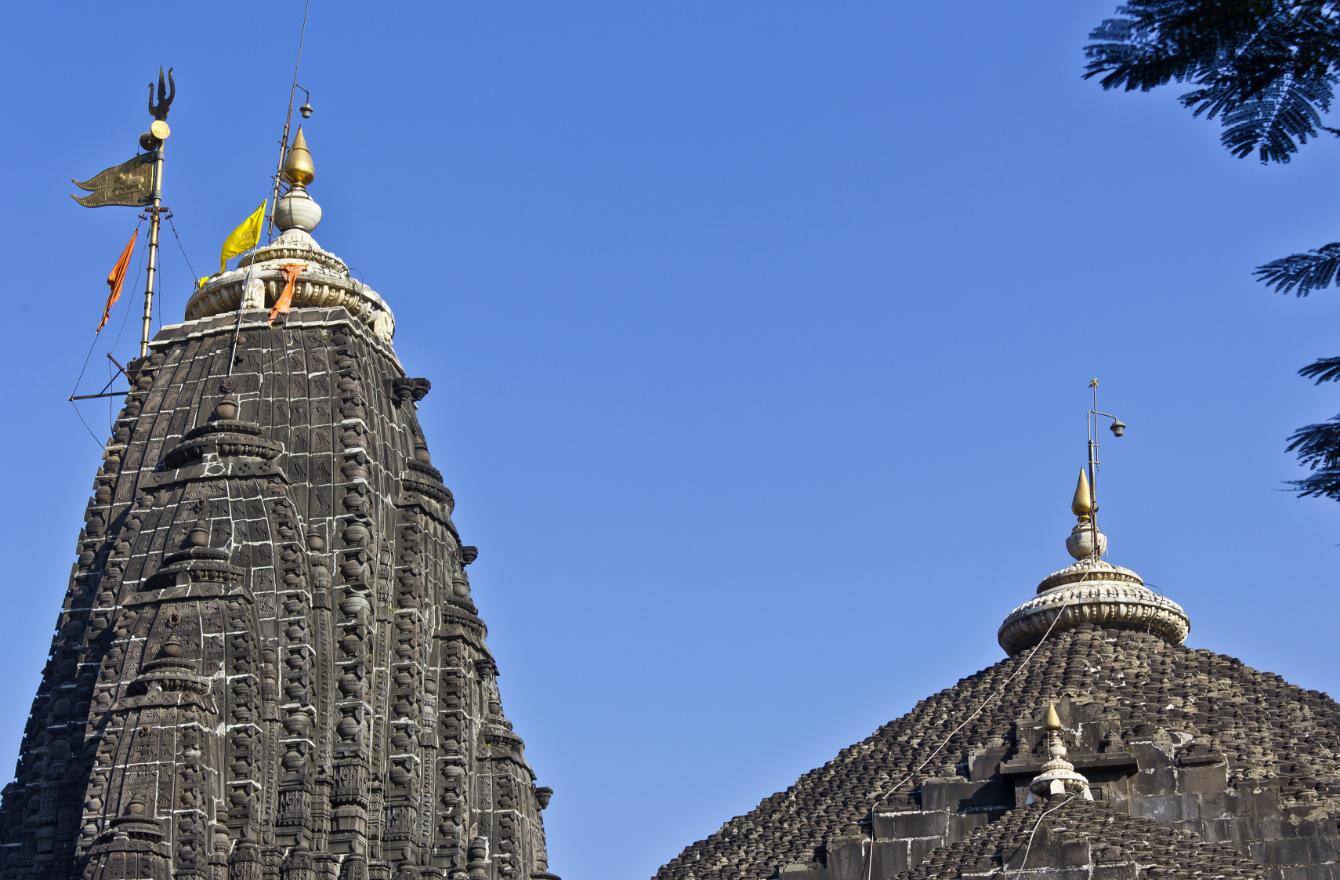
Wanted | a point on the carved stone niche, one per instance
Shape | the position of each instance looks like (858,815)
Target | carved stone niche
(1093,739)
(193,573)
(131,848)
(170,682)
(222,437)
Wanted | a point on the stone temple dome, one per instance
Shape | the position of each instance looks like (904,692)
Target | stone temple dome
(1100,747)
(1091,590)
(269,663)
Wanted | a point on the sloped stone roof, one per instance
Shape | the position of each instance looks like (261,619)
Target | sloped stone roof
(1267,729)
(1081,834)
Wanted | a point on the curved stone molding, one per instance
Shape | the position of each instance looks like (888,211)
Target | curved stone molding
(325,282)
(1093,592)
(224,437)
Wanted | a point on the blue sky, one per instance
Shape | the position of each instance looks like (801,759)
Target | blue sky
(759,335)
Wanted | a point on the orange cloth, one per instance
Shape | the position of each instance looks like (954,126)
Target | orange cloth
(285,302)
(116,278)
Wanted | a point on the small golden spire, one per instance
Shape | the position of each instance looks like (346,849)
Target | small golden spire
(1058,776)
(1082,504)
(1053,721)
(299,169)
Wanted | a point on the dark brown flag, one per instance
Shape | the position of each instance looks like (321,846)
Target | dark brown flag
(131,183)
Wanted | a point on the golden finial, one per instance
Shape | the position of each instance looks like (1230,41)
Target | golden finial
(1058,776)
(299,169)
(1082,504)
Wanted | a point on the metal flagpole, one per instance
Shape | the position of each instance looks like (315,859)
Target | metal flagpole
(157,138)
(155,212)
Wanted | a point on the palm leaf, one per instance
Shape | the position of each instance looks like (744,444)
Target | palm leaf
(1324,370)
(1301,274)
(1318,449)
(1276,121)
(1265,68)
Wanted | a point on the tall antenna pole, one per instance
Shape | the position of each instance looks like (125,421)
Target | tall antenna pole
(1093,465)
(288,121)
(156,137)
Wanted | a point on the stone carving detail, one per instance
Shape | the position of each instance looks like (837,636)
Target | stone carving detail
(1093,592)
(269,665)
(325,283)
(405,390)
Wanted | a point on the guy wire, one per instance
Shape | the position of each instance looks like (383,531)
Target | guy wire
(870,857)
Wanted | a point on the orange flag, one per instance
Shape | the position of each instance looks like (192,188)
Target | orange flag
(116,278)
(285,302)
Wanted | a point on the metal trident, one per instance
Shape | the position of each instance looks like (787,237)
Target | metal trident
(165,95)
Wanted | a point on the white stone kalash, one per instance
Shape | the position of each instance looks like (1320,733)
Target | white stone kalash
(325,281)
(1058,777)
(1091,591)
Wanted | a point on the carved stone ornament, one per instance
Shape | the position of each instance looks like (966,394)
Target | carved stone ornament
(1093,592)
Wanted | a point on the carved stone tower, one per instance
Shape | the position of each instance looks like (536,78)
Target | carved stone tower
(268,664)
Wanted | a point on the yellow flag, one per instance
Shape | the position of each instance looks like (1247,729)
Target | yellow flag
(244,237)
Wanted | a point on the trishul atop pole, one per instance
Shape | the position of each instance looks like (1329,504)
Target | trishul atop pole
(153,141)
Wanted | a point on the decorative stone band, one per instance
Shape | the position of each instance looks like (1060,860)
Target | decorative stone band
(325,283)
(195,565)
(426,491)
(1059,780)
(131,846)
(1097,593)
(294,245)
(224,438)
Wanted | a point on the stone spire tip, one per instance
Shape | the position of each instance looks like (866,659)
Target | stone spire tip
(299,169)
(1082,503)
(1085,542)
(297,209)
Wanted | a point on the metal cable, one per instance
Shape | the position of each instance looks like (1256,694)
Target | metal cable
(1037,825)
(173,226)
(870,856)
(274,196)
(94,344)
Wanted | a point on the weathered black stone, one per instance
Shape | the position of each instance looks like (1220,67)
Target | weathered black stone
(1197,740)
(268,664)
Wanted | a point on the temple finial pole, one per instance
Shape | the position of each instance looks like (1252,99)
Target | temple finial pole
(1118,428)
(305,110)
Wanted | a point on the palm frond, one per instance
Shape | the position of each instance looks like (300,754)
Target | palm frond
(1323,370)
(1318,449)
(1275,122)
(1265,68)
(1301,274)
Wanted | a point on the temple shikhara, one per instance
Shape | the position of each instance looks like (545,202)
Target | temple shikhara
(268,663)
(1101,748)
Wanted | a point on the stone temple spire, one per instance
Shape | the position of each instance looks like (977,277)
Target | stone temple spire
(1091,591)
(1058,776)
(269,663)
